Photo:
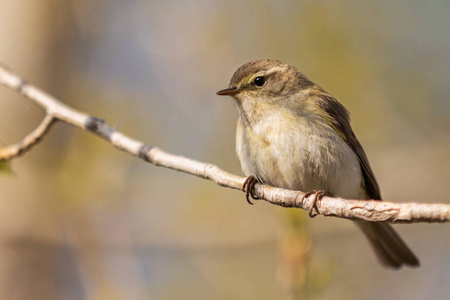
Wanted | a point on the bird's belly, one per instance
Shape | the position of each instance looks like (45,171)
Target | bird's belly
(304,158)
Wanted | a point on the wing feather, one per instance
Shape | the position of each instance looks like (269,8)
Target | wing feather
(339,120)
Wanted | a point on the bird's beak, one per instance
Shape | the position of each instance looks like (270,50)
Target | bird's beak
(229,91)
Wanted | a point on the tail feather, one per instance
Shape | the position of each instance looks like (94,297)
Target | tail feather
(388,245)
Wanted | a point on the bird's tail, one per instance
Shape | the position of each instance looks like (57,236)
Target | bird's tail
(388,245)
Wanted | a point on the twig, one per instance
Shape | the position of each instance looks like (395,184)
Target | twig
(328,206)
(29,141)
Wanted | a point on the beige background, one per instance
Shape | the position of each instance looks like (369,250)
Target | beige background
(80,220)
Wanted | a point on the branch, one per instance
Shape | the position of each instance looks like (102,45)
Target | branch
(370,210)
(29,141)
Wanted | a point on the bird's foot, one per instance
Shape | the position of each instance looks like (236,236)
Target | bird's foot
(317,196)
(248,188)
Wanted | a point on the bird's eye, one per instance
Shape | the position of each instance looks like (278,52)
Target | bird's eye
(259,81)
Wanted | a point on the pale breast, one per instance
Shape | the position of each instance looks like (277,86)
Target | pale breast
(300,154)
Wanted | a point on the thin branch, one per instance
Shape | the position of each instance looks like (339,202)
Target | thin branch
(29,141)
(371,210)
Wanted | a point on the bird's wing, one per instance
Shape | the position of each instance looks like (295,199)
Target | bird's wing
(339,120)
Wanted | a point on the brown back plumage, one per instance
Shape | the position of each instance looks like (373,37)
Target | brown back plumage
(390,249)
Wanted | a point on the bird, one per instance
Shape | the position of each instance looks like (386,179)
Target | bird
(292,134)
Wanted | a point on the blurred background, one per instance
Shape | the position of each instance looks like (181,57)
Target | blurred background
(81,220)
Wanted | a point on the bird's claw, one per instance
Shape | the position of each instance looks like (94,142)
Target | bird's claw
(248,187)
(317,196)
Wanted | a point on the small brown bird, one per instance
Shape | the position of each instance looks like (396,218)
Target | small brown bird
(292,134)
